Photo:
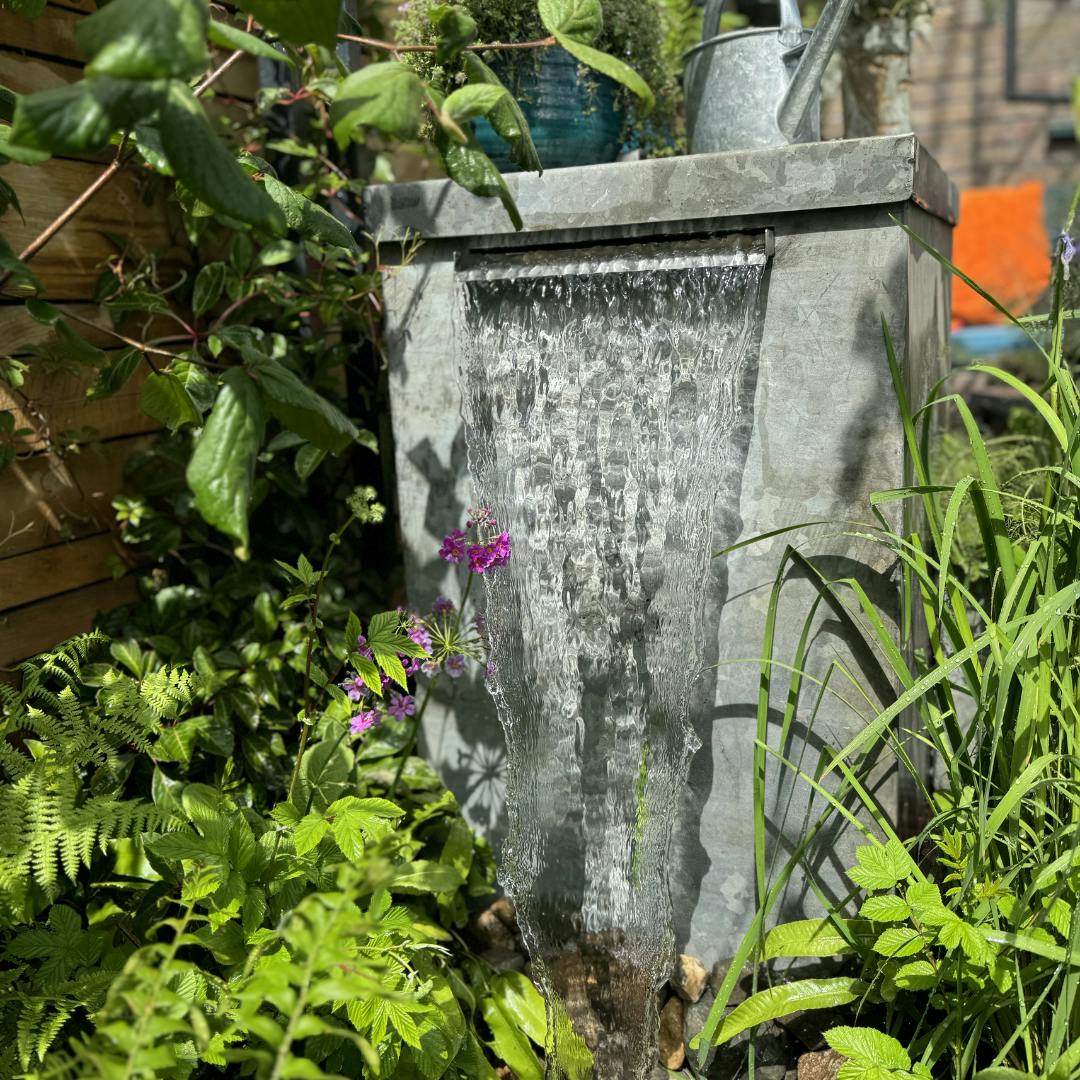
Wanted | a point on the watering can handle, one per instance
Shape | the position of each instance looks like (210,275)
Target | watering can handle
(791,27)
(711,26)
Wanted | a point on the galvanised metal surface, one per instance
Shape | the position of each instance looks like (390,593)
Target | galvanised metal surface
(632,197)
(820,431)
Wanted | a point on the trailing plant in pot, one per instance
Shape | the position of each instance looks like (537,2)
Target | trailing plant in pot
(876,51)
(581,108)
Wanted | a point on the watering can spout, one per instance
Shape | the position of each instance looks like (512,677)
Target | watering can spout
(802,91)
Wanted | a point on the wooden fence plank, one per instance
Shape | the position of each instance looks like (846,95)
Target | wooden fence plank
(37,627)
(46,499)
(58,403)
(57,569)
(71,262)
(52,33)
(19,331)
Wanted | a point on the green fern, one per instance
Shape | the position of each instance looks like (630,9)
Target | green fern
(56,747)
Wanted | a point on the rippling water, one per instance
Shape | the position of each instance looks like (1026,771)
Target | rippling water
(600,399)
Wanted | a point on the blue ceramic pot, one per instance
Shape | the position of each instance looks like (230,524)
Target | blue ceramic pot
(574,120)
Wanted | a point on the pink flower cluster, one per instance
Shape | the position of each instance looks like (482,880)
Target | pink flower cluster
(482,555)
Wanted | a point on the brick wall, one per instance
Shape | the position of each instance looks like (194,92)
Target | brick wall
(959,106)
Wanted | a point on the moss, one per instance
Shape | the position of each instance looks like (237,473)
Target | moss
(632,31)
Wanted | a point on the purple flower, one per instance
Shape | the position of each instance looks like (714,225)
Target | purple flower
(484,557)
(418,635)
(455,666)
(430,668)
(386,681)
(401,705)
(363,648)
(480,622)
(453,546)
(363,721)
(354,688)
(411,664)
(489,670)
(1068,249)
(442,606)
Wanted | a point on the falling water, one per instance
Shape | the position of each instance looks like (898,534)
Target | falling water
(600,400)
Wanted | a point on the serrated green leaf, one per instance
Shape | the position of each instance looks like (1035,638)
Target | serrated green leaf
(301,409)
(885,909)
(880,866)
(164,397)
(307,833)
(425,876)
(199,159)
(957,932)
(301,23)
(916,975)
(509,1042)
(869,1046)
(221,472)
(146,39)
(385,96)
(899,941)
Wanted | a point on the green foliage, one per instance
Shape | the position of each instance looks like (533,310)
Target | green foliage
(969,953)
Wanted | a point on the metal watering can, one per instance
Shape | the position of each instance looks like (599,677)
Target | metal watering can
(760,86)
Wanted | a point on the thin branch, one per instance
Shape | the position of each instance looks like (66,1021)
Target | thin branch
(142,346)
(391,47)
(110,171)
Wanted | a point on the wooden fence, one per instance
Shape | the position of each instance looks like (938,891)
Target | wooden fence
(57,562)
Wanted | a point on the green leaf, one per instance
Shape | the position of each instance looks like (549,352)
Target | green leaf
(917,975)
(971,941)
(810,937)
(308,832)
(787,998)
(885,909)
(21,275)
(146,39)
(164,397)
(114,375)
(506,117)
(581,20)
(425,876)
(209,283)
(456,29)
(354,821)
(231,37)
(868,1046)
(298,21)
(612,67)
(82,116)
(301,409)
(470,167)
(385,96)
(899,941)
(881,866)
(325,774)
(476,99)
(924,899)
(308,459)
(199,159)
(522,1003)
(308,218)
(509,1042)
(222,468)
(22,154)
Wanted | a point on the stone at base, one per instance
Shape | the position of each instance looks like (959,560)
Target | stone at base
(822,1065)
(689,978)
(504,959)
(670,1045)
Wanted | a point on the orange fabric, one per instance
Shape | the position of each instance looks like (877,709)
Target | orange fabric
(1001,243)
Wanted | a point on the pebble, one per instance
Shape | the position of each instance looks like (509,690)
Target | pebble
(820,1065)
(670,1045)
(689,977)
(503,909)
(492,932)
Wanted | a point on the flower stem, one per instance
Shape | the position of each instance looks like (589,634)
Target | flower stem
(414,730)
